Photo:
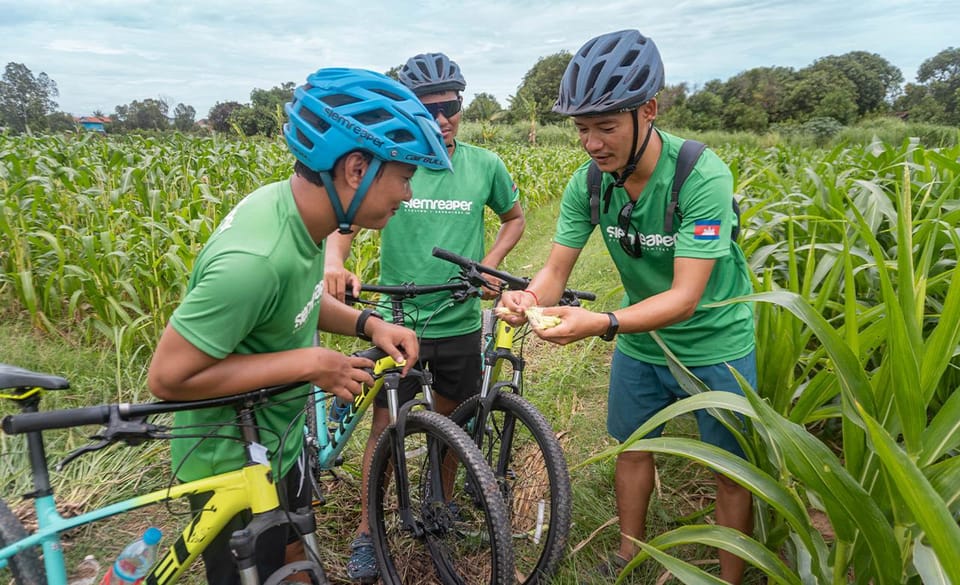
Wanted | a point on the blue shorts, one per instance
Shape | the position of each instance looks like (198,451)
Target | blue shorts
(639,390)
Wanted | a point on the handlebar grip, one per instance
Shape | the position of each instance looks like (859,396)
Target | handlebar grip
(451,257)
(513,282)
(583,295)
(55,419)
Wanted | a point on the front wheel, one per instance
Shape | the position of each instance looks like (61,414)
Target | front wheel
(527,460)
(26,566)
(455,529)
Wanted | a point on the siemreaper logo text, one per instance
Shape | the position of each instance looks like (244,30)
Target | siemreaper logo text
(356,129)
(438,206)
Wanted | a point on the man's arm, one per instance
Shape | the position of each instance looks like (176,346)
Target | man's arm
(512,224)
(180,371)
(671,306)
(336,279)
(398,341)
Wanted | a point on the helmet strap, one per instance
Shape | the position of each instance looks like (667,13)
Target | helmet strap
(634,159)
(345,220)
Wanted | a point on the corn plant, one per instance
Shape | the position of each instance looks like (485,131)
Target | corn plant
(860,301)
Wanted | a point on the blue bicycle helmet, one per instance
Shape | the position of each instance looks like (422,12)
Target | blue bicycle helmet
(428,73)
(340,110)
(614,72)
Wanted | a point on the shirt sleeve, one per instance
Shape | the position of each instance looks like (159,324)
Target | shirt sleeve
(504,192)
(228,300)
(706,200)
(573,224)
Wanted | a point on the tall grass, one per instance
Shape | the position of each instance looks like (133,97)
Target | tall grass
(853,252)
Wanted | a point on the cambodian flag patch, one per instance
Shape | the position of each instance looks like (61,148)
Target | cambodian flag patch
(706,229)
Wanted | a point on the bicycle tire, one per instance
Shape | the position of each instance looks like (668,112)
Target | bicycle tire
(311,445)
(26,566)
(468,543)
(533,480)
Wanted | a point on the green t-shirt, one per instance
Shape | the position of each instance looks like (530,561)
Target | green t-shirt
(446,211)
(711,335)
(255,288)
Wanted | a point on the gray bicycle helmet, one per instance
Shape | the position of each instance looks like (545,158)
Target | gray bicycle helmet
(614,72)
(428,73)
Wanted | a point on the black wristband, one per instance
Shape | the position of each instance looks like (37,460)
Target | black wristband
(362,322)
(612,329)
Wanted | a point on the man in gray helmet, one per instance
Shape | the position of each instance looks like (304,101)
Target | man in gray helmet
(674,258)
(446,210)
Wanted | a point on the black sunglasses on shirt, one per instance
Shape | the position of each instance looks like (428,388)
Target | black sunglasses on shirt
(631,245)
(449,108)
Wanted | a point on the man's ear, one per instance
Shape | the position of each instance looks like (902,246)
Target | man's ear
(355,165)
(648,111)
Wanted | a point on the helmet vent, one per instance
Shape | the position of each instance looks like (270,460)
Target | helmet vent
(388,95)
(339,99)
(314,120)
(640,78)
(613,83)
(401,136)
(630,58)
(373,117)
(609,46)
(303,140)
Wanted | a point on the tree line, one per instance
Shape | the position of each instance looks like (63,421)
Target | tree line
(836,90)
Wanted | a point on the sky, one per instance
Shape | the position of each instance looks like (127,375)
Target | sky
(103,53)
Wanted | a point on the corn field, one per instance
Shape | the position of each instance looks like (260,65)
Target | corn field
(853,252)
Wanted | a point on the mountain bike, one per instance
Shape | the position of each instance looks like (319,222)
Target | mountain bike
(424,529)
(516,439)
(250,487)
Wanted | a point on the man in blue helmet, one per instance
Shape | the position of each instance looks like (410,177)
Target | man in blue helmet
(446,210)
(256,294)
(669,275)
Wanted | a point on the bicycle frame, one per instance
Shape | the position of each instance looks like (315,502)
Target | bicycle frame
(250,487)
(331,443)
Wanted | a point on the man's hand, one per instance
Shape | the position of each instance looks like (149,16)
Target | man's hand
(338,281)
(516,303)
(576,323)
(399,342)
(340,374)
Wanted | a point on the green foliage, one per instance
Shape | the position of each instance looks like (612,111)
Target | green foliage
(25,99)
(484,107)
(184,117)
(148,114)
(538,91)
(219,116)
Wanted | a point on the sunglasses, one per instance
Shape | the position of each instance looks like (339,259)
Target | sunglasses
(630,245)
(449,109)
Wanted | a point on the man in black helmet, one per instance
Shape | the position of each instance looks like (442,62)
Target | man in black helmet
(673,260)
(447,210)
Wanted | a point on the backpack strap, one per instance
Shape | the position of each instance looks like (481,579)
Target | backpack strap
(594,179)
(690,151)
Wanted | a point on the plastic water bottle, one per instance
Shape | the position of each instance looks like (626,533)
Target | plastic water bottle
(135,560)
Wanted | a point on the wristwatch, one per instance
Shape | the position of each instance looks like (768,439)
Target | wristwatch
(362,323)
(612,329)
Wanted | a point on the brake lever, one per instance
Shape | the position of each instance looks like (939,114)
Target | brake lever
(81,451)
(133,432)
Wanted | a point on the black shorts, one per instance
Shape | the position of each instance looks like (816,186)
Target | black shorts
(271,547)
(456,365)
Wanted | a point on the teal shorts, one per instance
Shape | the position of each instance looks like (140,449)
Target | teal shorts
(639,390)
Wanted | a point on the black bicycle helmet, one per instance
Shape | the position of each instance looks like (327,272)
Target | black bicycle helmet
(429,73)
(614,72)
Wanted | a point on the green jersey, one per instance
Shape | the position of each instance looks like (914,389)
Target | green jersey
(255,288)
(711,335)
(446,211)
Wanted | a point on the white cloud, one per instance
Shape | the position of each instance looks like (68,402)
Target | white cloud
(103,53)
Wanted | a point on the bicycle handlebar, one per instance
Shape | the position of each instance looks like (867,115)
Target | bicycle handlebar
(410,290)
(93,415)
(513,282)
